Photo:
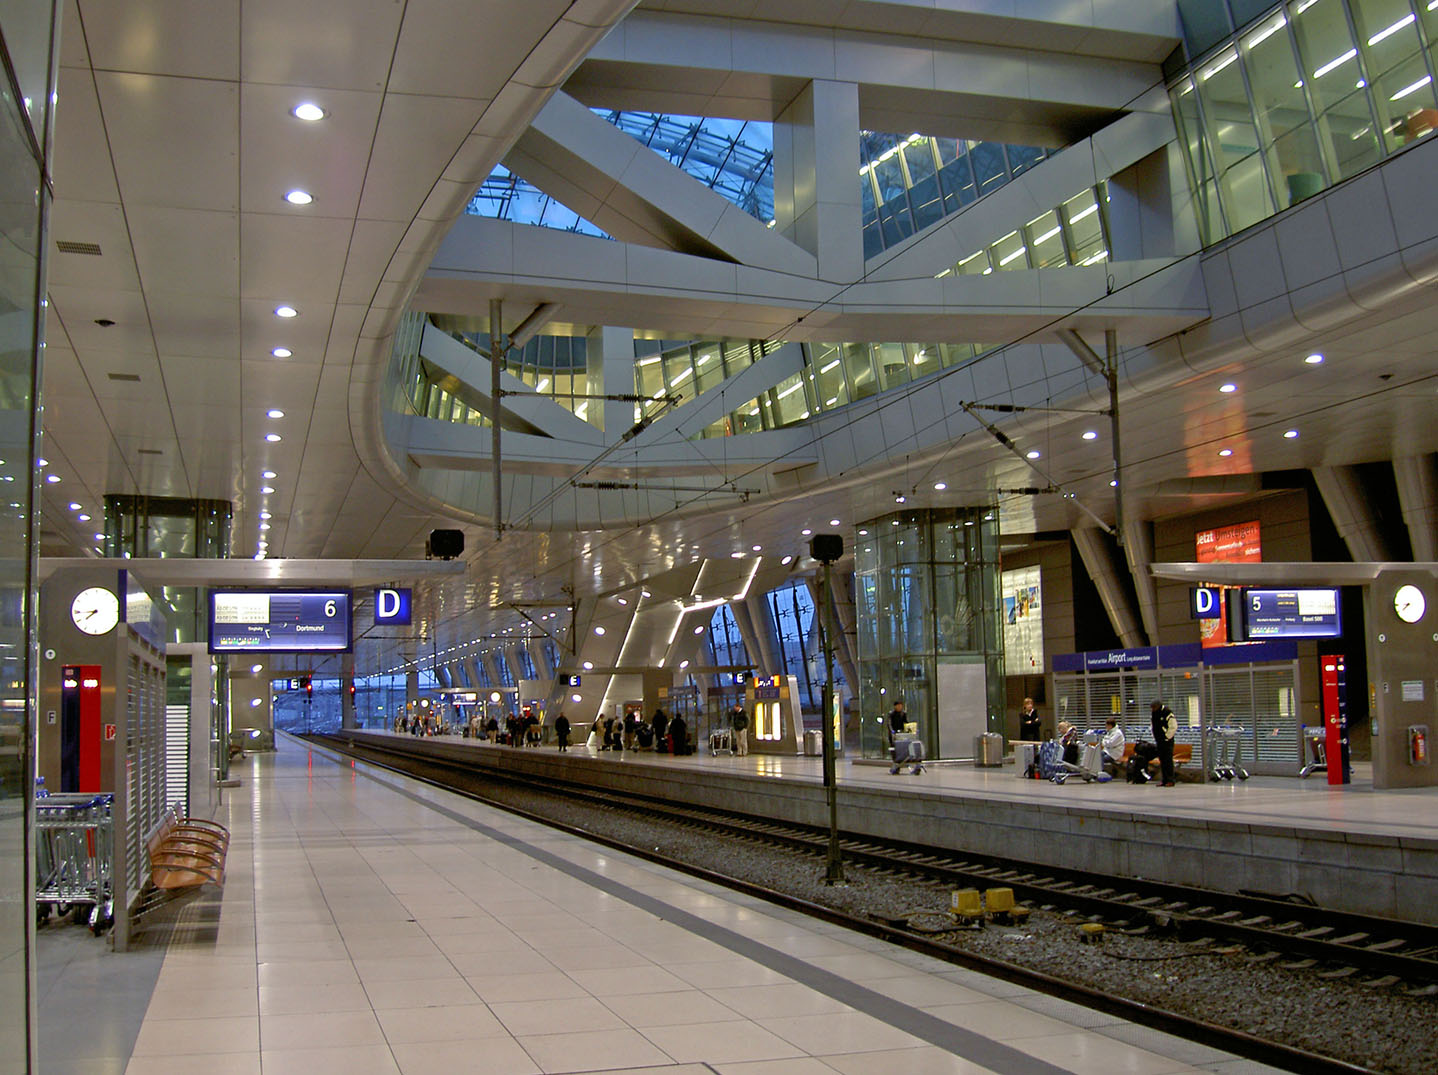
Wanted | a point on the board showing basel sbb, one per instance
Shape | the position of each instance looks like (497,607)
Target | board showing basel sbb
(280,621)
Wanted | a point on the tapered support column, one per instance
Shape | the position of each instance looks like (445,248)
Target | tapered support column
(816,169)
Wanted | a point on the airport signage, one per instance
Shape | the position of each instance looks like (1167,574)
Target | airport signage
(392,606)
(1292,614)
(280,621)
(571,681)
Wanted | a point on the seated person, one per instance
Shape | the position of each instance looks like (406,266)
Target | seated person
(1068,738)
(1112,743)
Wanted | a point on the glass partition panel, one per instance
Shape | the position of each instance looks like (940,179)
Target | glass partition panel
(1010,252)
(862,382)
(1328,52)
(1347,135)
(1046,241)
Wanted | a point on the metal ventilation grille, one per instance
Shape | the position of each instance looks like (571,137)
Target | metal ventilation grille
(92,249)
(135,377)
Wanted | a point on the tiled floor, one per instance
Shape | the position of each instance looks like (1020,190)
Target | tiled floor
(1286,802)
(371,924)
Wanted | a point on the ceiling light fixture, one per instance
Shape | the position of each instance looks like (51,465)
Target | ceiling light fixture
(834,522)
(74,506)
(806,531)
(1090,434)
(787,561)
(299,197)
(1290,434)
(1225,452)
(1314,359)
(939,487)
(273,438)
(266,515)
(286,311)
(53,479)
(274,412)
(1032,454)
(1227,388)
(266,490)
(83,518)
(308,111)
(282,352)
(268,475)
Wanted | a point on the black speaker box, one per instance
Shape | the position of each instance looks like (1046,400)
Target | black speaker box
(446,544)
(826,548)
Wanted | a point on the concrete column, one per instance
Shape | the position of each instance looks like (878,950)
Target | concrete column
(1347,502)
(347,681)
(1140,210)
(491,666)
(756,606)
(1417,479)
(411,689)
(610,353)
(1096,550)
(841,583)
(816,177)
(471,672)
(1138,547)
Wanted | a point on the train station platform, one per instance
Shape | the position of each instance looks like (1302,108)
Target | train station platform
(1350,848)
(371,923)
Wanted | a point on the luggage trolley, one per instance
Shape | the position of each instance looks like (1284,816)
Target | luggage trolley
(75,856)
(1089,768)
(908,750)
(721,741)
(1225,749)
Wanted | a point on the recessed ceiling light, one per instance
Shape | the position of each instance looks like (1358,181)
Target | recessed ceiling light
(74,506)
(806,531)
(863,533)
(1032,455)
(266,515)
(834,522)
(1113,484)
(42,462)
(273,438)
(83,518)
(787,561)
(282,352)
(939,487)
(1090,434)
(274,412)
(308,111)
(1314,359)
(736,555)
(1226,388)
(757,548)
(597,630)
(52,478)
(1290,433)
(99,537)
(266,490)
(268,474)
(898,499)
(264,526)
(286,311)
(1225,452)
(699,630)
(588,665)
(299,197)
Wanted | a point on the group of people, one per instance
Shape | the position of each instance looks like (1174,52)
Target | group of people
(1165,732)
(661,733)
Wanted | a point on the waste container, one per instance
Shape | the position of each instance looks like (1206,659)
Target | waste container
(988,749)
(814,742)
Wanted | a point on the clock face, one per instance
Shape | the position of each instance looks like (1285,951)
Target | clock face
(95,611)
(1409,603)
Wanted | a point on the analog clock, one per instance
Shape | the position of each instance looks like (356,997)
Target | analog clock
(95,611)
(1409,603)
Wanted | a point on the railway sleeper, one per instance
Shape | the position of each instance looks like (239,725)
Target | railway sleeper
(1384,982)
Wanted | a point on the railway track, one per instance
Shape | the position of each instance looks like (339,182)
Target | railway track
(1370,952)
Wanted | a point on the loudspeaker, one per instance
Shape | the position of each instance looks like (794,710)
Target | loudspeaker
(446,544)
(826,548)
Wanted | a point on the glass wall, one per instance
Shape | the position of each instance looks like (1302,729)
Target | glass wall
(926,591)
(1074,233)
(1305,95)
(28,31)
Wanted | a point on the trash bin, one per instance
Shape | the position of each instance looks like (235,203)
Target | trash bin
(814,742)
(988,750)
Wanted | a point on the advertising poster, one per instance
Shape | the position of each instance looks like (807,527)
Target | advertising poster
(1023,621)
(1236,544)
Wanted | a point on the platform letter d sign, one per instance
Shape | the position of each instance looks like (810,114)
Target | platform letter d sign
(391,606)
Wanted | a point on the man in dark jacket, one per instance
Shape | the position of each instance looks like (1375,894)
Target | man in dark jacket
(661,728)
(678,735)
(898,717)
(561,731)
(739,721)
(1165,731)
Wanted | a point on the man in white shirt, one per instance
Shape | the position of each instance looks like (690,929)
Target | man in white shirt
(1112,742)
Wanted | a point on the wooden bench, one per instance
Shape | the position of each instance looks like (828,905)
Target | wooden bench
(1182,754)
(186,852)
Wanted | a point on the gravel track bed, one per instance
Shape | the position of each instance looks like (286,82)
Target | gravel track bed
(1381,1029)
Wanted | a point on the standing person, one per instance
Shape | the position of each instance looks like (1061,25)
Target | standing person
(611,741)
(592,744)
(739,721)
(661,728)
(631,722)
(1165,731)
(561,731)
(898,717)
(1029,722)
(678,735)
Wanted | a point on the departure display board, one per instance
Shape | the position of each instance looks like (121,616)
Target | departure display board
(280,621)
(1291,614)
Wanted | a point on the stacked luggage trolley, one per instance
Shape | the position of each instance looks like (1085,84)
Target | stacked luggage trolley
(75,857)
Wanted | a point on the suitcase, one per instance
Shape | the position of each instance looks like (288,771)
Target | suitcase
(1050,759)
(908,750)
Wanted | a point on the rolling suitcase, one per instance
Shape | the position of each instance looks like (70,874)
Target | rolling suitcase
(908,750)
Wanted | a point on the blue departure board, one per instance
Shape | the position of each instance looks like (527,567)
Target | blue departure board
(280,621)
(1292,614)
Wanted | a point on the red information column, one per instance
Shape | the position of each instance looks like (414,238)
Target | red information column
(80,701)
(1335,717)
